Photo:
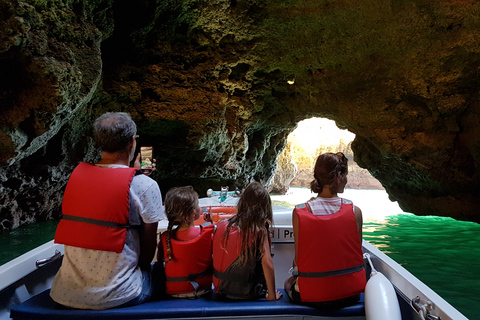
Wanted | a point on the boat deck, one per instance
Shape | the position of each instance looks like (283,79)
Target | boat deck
(43,307)
(24,289)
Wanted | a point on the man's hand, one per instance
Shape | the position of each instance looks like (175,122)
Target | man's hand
(137,164)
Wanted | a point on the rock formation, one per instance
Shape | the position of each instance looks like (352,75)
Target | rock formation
(216,86)
(358,178)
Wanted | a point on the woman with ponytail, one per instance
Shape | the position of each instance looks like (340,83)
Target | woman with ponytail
(185,248)
(328,264)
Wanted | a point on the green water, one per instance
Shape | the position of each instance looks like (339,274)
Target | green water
(18,241)
(442,252)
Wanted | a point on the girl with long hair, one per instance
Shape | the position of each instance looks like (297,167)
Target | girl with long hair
(243,265)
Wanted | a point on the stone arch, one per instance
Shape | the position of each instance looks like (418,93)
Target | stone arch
(314,136)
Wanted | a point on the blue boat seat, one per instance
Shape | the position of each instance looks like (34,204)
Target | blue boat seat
(42,306)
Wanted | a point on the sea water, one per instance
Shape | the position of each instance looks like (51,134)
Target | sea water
(21,240)
(442,252)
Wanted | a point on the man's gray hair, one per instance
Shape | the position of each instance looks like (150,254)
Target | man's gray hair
(113,131)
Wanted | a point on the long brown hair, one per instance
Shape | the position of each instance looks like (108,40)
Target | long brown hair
(327,167)
(253,219)
(179,205)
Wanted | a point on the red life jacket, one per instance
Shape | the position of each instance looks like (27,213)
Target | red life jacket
(190,269)
(229,277)
(96,208)
(329,257)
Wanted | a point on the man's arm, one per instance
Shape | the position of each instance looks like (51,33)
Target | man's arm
(148,244)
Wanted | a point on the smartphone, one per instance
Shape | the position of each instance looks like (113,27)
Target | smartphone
(146,159)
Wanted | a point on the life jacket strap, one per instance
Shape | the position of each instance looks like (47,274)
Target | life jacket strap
(95,221)
(331,273)
(191,278)
(235,277)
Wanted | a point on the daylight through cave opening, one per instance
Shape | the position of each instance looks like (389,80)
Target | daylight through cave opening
(312,137)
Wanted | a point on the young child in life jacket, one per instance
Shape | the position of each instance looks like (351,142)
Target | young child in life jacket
(243,265)
(185,248)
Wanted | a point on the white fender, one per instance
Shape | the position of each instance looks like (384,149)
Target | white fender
(381,301)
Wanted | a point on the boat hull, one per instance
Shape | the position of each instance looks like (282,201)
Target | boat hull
(21,279)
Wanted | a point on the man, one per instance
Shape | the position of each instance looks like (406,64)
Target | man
(109,225)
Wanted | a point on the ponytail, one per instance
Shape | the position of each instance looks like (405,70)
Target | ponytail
(179,205)
(169,252)
(327,167)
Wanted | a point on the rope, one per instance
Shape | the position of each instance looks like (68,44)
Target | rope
(374,271)
(422,312)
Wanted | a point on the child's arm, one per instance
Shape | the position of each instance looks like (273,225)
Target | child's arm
(269,272)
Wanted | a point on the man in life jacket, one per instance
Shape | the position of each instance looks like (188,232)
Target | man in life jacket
(328,264)
(109,225)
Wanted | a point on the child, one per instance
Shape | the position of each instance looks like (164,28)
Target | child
(185,248)
(243,265)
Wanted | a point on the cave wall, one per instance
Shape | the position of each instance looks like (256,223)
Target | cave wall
(50,68)
(208,84)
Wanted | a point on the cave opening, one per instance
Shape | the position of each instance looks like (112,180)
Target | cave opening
(312,137)
(290,184)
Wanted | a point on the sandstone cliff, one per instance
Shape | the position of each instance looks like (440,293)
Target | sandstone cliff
(216,86)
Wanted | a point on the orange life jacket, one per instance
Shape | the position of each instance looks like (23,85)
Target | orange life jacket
(190,269)
(230,278)
(329,257)
(96,208)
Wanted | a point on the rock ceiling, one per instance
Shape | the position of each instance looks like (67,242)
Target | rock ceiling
(216,86)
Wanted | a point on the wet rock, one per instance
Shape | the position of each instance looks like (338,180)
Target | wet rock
(216,86)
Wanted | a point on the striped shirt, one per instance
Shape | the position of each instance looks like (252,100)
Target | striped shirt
(325,206)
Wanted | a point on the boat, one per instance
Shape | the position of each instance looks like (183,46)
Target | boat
(26,280)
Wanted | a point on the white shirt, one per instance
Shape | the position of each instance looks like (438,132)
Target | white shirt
(92,279)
